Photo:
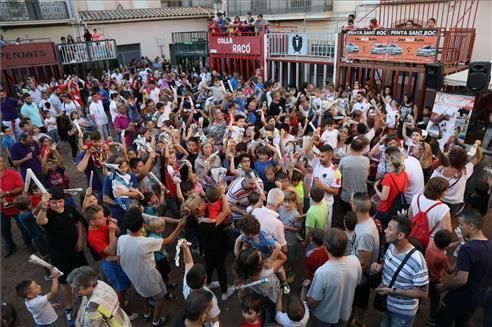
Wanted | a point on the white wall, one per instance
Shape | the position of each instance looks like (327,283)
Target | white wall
(482,50)
(146,33)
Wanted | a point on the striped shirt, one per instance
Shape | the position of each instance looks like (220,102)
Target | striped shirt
(237,195)
(414,274)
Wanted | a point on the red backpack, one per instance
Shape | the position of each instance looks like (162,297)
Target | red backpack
(420,224)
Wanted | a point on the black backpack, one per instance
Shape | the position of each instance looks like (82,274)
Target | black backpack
(399,203)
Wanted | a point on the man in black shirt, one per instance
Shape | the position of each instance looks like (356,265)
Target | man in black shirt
(65,234)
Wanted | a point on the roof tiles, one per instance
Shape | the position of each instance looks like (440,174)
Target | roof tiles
(131,14)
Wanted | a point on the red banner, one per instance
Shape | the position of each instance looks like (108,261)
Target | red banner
(25,55)
(236,45)
(413,46)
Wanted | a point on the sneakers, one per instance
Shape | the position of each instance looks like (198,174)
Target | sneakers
(212,285)
(132,316)
(161,322)
(228,294)
(147,316)
(286,288)
(70,317)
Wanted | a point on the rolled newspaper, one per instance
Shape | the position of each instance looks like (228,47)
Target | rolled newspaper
(178,250)
(40,262)
(36,180)
(255,283)
(91,178)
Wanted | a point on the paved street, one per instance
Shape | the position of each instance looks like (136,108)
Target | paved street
(16,268)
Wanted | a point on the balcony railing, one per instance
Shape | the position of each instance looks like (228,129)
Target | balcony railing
(81,52)
(277,7)
(189,37)
(317,45)
(13,11)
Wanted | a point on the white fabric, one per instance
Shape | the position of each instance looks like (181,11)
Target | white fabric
(50,123)
(68,108)
(456,192)
(97,110)
(283,319)
(270,224)
(112,110)
(137,261)
(415,174)
(154,94)
(330,176)
(434,216)
(215,311)
(330,137)
(459,79)
(41,309)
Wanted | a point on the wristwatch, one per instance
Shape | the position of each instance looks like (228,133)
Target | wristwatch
(393,290)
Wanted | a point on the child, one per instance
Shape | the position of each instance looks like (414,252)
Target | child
(39,305)
(269,181)
(411,142)
(316,216)
(26,218)
(297,314)
(330,135)
(289,216)
(316,257)
(51,126)
(254,201)
(437,263)
(251,307)
(156,227)
(123,185)
(7,139)
(37,134)
(349,222)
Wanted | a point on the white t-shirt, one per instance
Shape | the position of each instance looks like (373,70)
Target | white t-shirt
(97,110)
(457,184)
(361,106)
(215,311)
(391,117)
(330,176)
(50,123)
(112,110)
(154,94)
(68,108)
(41,309)
(137,261)
(283,319)
(270,224)
(434,216)
(415,174)
(330,137)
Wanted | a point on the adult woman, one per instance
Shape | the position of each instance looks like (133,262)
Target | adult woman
(100,305)
(11,185)
(457,173)
(408,110)
(343,144)
(395,181)
(438,214)
(73,132)
(206,161)
(87,35)
(250,267)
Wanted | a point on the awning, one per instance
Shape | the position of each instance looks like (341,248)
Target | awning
(459,79)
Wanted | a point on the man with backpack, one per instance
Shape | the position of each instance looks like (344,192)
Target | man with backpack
(405,277)
(427,213)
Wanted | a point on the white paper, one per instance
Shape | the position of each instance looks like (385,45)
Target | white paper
(36,180)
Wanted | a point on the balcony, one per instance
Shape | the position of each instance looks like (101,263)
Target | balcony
(14,12)
(83,52)
(277,7)
(319,46)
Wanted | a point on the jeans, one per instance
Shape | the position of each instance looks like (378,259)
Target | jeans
(7,231)
(391,319)
(103,130)
(35,232)
(54,135)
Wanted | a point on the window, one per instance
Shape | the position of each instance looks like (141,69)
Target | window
(171,3)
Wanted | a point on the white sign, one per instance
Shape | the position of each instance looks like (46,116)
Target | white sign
(297,44)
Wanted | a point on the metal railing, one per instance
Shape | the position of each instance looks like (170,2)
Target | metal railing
(199,48)
(277,7)
(14,11)
(187,3)
(317,44)
(189,37)
(80,52)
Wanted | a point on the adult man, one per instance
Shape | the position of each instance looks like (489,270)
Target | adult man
(261,24)
(355,170)
(65,234)
(366,249)
(137,260)
(8,108)
(361,104)
(31,111)
(91,160)
(412,282)
(331,293)
(26,154)
(98,115)
(415,174)
(35,94)
(268,217)
(325,174)
(238,191)
(218,127)
(467,288)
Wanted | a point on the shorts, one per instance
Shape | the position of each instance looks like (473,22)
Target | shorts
(115,275)
(361,296)
(67,264)
(162,291)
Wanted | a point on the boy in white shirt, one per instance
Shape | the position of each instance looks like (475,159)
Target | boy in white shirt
(330,135)
(39,305)
(50,123)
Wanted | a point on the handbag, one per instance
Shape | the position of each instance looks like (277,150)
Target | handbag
(380,301)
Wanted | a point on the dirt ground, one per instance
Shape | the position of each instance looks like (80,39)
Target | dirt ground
(16,268)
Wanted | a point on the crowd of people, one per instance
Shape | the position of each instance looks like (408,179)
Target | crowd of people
(345,182)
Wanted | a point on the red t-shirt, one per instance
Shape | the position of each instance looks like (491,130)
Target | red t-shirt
(315,260)
(248,324)
(9,181)
(214,208)
(35,200)
(98,240)
(437,263)
(396,183)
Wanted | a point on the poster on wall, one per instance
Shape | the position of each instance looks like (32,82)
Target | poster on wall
(450,116)
(415,45)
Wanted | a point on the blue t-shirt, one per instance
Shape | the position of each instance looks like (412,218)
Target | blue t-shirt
(116,211)
(260,168)
(158,255)
(265,246)
(7,142)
